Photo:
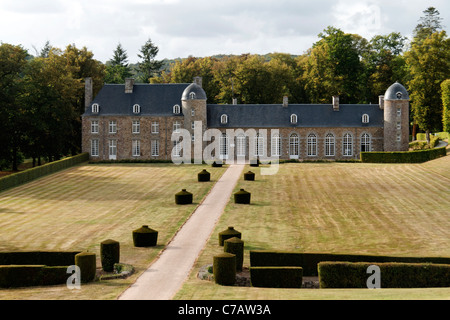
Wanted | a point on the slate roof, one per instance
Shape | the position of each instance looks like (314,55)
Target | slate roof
(396,92)
(200,94)
(308,115)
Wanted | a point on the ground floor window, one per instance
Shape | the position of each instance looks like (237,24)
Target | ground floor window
(240,145)
(294,150)
(348,145)
(276,145)
(259,145)
(329,145)
(112,149)
(136,148)
(312,145)
(223,146)
(155,148)
(94,147)
(365,143)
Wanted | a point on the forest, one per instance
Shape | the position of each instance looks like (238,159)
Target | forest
(42,95)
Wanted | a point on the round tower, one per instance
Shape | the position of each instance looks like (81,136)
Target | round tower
(396,118)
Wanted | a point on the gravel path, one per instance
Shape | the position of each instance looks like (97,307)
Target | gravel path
(166,275)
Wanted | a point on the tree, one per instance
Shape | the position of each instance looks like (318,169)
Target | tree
(117,69)
(445,86)
(148,66)
(428,24)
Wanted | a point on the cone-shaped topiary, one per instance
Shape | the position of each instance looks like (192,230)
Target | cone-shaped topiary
(242,197)
(235,246)
(224,269)
(183,197)
(250,176)
(110,254)
(145,237)
(227,234)
(87,263)
(203,176)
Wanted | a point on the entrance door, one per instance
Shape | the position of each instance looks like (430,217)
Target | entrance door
(294,150)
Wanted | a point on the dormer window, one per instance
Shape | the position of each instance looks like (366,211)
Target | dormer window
(192,95)
(95,108)
(293,118)
(136,108)
(223,119)
(176,109)
(365,118)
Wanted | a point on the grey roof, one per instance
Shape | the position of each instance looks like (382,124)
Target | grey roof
(308,115)
(154,99)
(200,94)
(396,92)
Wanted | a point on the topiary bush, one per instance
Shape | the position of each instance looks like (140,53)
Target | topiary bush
(235,246)
(224,269)
(110,254)
(145,237)
(183,197)
(249,176)
(230,232)
(242,197)
(203,176)
(276,277)
(87,263)
(216,164)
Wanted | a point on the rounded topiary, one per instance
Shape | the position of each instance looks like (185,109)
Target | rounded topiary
(204,176)
(235,246)
(216,164)
(250,176)
(110,254)
(242,197)
(224,269)
(87,263)
(183,197)
(227,234)
(145,237)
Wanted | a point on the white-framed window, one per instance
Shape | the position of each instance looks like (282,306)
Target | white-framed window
(176,126)
(192,95)
(155,148)
(155,127)
(223,119)
(347,145)
(276,145)
(94,126)
(136,108)
(294,142)
(136,126)
(399,125)
(399,112)
(329,145)
(312,145)
(113,126)
(399,137)
(176,151)
(176,109)
(192,112)
(259,145)
(293,118)
(240,145)
(193,125)
(136,148)
(95,108)
(94,147)
(365,118)
(112,149)
(365,142)
(223,146)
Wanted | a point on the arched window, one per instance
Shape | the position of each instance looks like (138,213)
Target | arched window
(365,118)
(223,146)
(223,119)
(329,145)
(312,145)
(276,145)
(192,95)
(294,150)
(240,145)
(347,145)
(136,108)
(95,108)
(259,145)
(365,142)
(293,118)
(176,109)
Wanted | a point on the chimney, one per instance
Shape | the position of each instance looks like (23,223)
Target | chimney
(234,101)
(198,81)
(335,103)
(381,101)
(129,83)
(285,101)
(88,93)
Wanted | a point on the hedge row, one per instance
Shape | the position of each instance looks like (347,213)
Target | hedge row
(19,178)
(276,277)
(32,275)
(309,261)
(392,275)
(48,258)
(417,156)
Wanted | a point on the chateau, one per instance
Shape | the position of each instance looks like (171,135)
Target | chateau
(136,121)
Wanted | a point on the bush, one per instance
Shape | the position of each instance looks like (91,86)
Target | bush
(87,263)
(242,197)
(249,176)
(203,176)
(227,234)
(392,275)
(403,156)
(110,254)
(48,258)
(183,197)
(235,246)
(276,277)
(12,276)
(145,237)
(224,269)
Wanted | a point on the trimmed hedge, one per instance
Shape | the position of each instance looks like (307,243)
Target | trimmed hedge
(48,258)
(109,254)
(145,237)
(276,277)
(183,197)
(224,269)
(12,276)
(228,233)
(309,261)
(417,156)
(235,246)
(87,263)
(392,275)
(16,179)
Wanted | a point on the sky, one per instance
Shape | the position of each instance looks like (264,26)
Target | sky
(202,28)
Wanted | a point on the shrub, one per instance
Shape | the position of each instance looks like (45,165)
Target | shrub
(183,197)
(203,176)
(235,246)
(145,237)
(224,269)
(110,254)
(403,156)
(48,258)
(216,164)
(230,232)
(87,263)
(249,176)
(12,276)
(242,197)
(276,277)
